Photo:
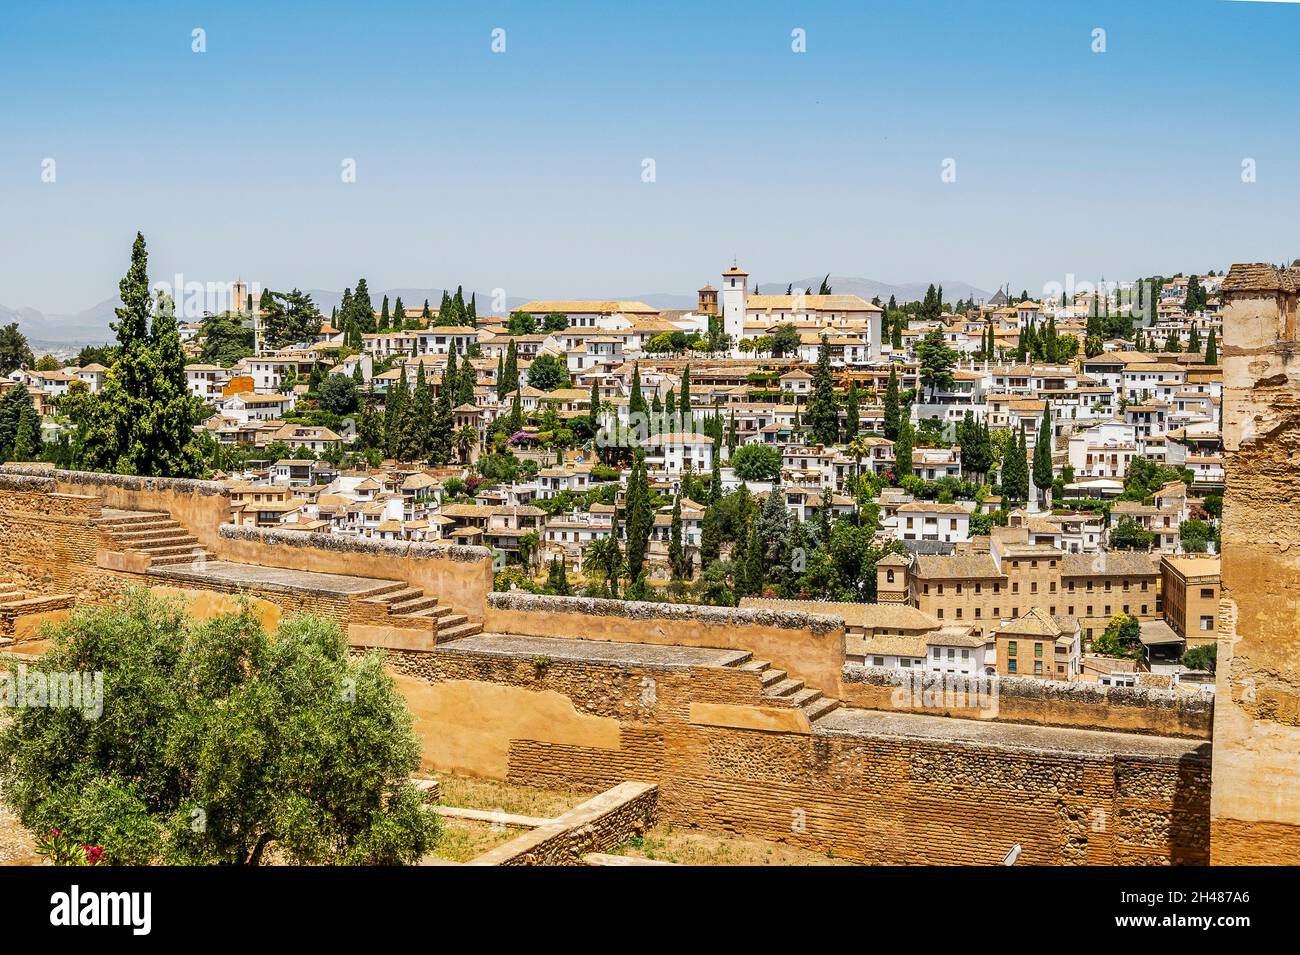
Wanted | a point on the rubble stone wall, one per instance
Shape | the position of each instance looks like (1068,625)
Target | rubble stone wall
(580,724)
(1256,806)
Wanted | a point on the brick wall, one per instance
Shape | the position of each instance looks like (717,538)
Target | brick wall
(597,825)
(874,798)
(1164,712)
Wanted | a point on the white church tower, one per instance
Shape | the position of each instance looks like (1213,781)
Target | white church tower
(735,283)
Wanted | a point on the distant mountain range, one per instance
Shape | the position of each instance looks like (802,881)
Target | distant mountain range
(91,326)
(46,332)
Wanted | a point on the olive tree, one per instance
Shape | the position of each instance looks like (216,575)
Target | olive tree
(217,741)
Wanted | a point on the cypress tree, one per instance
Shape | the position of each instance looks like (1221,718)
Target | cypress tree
(903,451)
(750,579)
(556,578)
(413,445)
(511,380)
(636,401)
(362,310)
(823,409)
(710,535)
(851,413)
(676,553)
(640,518)
(1015,470)
(516,419)
(684,400)
(1212,350)
(142,421)
(384,317)
(594,410)
(394,407)
(891,404)
(439,442)
(20,426)
(774,528)
(1043,451)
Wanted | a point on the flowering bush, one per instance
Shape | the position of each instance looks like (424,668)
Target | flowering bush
(62,849)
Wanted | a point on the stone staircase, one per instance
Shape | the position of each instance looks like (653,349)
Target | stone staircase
(9,592)
(153,534)
(16,603)
(413,606)
(780,690)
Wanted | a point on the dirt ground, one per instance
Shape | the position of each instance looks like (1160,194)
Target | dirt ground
(702,847)
(513,800)
(465,839)
(16,844)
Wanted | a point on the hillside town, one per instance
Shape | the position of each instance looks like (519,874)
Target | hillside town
(1022,486)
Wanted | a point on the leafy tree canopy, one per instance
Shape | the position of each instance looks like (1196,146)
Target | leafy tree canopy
(217,740)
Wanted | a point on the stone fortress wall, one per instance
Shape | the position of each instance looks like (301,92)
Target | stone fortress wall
(669,695)
(1256,797)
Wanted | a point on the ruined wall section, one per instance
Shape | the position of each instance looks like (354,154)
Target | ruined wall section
(935,797)
(1009,699)
(1256,800)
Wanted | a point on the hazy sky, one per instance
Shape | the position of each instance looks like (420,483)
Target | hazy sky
(523,170)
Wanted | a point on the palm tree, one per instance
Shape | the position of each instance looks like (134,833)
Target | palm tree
(465,439)
(604,557)
(527,548)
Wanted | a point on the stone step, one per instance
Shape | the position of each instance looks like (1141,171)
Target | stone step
(772,677)
(121,520)
(162,532)
(452,620)
(755,665)
(806,696)
(119,530)
(820,708)
(785,688)
(178,559)
(172,550)
(391,597)
(455,633)
(384,590)
(152,543)
(414,605)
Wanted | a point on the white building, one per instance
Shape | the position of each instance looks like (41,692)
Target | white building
(931,521)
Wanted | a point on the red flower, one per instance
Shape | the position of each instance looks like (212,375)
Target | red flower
(93,854)
(54,833)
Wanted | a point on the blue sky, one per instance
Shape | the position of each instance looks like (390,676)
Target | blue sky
(522,170)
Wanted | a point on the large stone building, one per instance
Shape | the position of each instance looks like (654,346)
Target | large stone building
(1003,576)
